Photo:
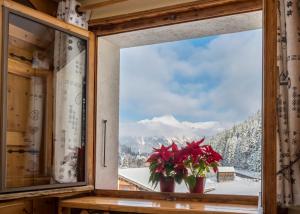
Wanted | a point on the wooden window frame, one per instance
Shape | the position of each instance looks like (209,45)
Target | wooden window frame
(162,17)
(10,7)
(200,10)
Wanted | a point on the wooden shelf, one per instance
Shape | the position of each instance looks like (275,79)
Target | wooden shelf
(152,206)
(59,192)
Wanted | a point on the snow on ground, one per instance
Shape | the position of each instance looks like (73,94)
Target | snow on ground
(240,186)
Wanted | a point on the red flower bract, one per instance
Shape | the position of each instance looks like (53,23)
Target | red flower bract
(195,155)
(165,153)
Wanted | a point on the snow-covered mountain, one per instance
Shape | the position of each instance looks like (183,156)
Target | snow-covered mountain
(240,145)
(169,127)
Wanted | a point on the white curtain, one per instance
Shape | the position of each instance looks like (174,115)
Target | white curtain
(288,102)
(69,68)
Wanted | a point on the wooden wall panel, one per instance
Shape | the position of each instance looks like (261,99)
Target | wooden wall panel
(16,207)
(18,102)
(14,138)
(16,52)
(28,37)
(36,206)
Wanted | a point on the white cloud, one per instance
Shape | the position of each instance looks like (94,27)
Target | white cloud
(169,126)
(149,87)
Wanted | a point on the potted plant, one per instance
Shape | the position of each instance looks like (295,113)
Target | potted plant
(198,160)
(165,167)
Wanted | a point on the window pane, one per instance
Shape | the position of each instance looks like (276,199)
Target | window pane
(45,105)
(183,91)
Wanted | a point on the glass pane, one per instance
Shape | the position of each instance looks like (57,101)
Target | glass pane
(45,105)
(207,87)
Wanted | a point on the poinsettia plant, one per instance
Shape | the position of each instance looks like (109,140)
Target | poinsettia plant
(166,162)
(189,163)
(198,159)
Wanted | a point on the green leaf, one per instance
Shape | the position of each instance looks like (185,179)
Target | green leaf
(156,179)
(178,178)
(169,168)
(153,166)
(190,181)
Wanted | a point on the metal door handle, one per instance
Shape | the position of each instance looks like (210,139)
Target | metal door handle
(104,142)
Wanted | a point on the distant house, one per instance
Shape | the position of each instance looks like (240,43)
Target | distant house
(128,184)
(225,174)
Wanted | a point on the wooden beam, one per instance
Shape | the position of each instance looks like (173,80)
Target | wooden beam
(99,4)
(46,6)
(25,70)
(28,37)
(269,107)
(185,12)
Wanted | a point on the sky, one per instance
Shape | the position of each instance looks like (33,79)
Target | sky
(207,84)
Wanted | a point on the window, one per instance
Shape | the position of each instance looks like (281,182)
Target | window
(244,72)
(185,90)
(44,106)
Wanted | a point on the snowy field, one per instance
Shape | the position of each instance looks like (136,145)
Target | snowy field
(240,186)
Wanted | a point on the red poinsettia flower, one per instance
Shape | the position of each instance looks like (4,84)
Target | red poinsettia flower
(198,160)
(164,152)
(153,157)
(167,161)
(195,155)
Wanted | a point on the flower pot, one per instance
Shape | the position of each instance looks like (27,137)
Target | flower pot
(199,186)
(167,184)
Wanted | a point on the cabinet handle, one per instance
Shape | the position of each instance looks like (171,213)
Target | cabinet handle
(104,142)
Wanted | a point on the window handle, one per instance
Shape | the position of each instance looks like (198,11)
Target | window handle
(104,142)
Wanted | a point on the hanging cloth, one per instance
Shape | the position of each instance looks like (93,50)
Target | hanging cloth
(69,77)
(288,103)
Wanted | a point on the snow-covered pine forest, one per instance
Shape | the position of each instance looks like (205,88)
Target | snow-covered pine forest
(240,146)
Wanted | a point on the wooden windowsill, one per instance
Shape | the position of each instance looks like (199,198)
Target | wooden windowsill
(152,206)
(176,196)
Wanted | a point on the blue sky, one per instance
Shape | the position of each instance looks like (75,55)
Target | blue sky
(216,78)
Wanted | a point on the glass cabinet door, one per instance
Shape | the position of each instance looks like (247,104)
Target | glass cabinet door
(44,81)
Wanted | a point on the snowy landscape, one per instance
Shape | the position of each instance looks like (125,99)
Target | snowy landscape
(239,145)
(189,89)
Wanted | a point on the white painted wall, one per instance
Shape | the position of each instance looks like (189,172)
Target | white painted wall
(189,30)
(108,81)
